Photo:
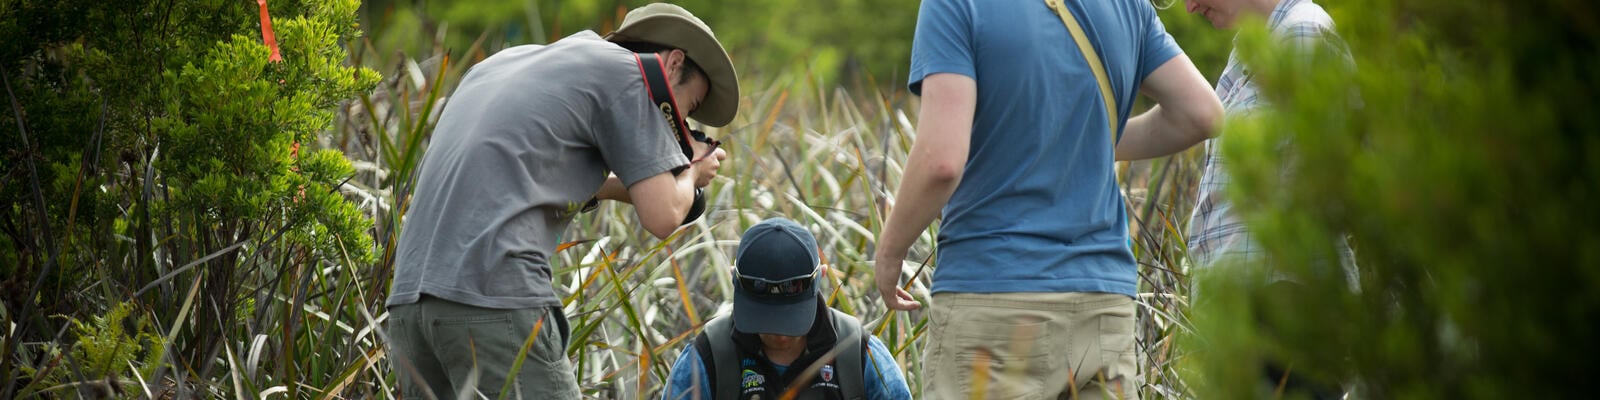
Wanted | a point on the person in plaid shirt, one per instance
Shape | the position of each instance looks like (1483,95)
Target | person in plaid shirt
(1217,234)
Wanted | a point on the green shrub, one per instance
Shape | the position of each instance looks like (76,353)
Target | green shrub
(104,349)
(1464,174)
(172,157)
(865,42)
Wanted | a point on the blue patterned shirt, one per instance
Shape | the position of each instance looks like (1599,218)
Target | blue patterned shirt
(688,380)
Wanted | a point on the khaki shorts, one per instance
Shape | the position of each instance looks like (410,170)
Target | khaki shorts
(445,350)
(1030,346)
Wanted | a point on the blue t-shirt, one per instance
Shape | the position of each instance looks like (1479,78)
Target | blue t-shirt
(1038,209)
(883,381)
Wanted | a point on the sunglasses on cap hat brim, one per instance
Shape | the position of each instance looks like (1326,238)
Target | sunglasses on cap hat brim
(790,287)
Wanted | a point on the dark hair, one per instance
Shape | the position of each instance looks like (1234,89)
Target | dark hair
(689,66)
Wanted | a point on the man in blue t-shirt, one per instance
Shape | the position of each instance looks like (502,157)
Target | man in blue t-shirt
(1034,280)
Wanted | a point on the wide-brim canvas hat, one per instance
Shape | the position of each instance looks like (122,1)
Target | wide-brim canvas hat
(672,26)
(774,250)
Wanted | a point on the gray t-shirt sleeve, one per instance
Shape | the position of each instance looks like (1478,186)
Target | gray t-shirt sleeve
(633,136)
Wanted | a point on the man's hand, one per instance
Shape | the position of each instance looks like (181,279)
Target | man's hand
(933,170)
(887,271)
(704,166)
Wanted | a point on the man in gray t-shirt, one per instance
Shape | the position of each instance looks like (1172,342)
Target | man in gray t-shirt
(530,135)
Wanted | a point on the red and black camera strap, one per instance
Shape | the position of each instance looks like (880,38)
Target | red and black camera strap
(655,77)
(654,71)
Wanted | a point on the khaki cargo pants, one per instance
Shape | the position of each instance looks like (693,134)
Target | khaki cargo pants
(1030,346)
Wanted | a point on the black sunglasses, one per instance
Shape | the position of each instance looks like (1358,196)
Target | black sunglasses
(782,288)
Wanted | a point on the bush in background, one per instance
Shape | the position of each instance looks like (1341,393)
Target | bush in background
(1459,157)
(158,162)
(850,41)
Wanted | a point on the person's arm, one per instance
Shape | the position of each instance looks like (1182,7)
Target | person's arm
(938,158)
(637,145)
(688,380)
(662,201)
(613,189)
(1187,112)
(666,199)
(884,381)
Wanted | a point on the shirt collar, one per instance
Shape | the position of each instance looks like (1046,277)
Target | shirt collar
(1281,12)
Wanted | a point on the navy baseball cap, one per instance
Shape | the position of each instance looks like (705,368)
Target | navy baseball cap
(775,289)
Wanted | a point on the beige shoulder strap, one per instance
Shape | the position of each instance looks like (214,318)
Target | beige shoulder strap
(1094,62)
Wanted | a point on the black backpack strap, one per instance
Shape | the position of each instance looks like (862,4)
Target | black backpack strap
(851,364)
(655,82)
(720,357)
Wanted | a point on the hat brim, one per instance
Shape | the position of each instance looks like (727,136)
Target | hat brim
(722,98)
(751,315)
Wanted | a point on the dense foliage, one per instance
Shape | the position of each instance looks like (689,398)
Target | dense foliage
(179,213)
(1459,156)
(158,162)
(850,41)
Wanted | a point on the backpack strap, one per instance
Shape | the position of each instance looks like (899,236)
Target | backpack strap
(720,357)
(1093,58)
(851,364)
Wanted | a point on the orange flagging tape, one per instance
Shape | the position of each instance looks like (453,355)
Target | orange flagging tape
(266,33)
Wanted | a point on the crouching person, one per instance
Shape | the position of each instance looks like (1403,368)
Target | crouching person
(782,337)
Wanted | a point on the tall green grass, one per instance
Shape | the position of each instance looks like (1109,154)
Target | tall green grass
(818,152)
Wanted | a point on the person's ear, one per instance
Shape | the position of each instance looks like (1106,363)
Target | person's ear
(824,269)
(674,59)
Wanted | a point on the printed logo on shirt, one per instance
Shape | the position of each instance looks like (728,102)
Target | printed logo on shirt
(827,373)
(753,379)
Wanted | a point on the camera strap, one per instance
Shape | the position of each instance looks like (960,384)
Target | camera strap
(653,68)
(655,79)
